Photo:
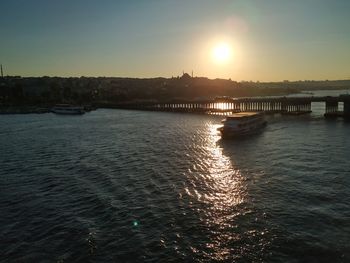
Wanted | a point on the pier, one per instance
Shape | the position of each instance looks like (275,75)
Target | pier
(222,105)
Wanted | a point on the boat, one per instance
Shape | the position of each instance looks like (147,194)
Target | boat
(68,109)
(242,124)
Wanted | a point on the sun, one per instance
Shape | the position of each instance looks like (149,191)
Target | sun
(222,52)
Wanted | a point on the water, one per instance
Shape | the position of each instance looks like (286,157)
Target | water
(132,186)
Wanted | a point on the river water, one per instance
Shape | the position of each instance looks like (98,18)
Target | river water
(133,186)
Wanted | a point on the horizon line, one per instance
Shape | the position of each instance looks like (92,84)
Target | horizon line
(229,79)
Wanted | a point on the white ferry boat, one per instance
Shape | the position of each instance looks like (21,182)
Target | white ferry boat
(242,124)
(68,109)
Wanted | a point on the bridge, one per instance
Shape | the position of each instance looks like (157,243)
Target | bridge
(220,105)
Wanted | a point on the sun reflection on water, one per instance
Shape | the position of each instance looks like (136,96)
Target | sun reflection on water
(218,187)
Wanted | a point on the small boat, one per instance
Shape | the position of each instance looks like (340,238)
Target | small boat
(242,124)
(68,109)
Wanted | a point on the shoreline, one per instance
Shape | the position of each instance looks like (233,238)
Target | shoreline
(24,110)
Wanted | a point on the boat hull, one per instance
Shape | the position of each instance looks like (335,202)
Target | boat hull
(63,112)
(68,110)
(229,133)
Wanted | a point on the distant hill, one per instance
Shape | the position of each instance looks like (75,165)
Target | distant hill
(89,90)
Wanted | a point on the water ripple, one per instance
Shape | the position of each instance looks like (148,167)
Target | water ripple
(129,186)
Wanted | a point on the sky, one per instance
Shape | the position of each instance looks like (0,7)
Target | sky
(268,40)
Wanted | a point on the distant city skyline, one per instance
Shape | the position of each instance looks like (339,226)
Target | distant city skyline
(260,40)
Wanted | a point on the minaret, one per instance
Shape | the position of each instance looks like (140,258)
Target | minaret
(2,73)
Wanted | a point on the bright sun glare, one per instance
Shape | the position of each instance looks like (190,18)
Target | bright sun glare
(222,52)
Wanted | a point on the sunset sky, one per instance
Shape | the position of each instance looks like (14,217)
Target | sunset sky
(265,40)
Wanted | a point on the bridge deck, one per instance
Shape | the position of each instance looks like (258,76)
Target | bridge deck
(286,105)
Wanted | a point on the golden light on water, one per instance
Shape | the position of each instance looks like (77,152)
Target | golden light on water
(218,188)
(226,178)
(227,192)
(220,182)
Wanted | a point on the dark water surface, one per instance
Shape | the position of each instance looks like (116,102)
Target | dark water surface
(131,186)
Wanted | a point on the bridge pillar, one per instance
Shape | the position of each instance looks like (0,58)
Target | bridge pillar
(283,106)
(331,108)
(347,108)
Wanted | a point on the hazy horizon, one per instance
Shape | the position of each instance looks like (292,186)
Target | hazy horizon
(175,76)
(268,41)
